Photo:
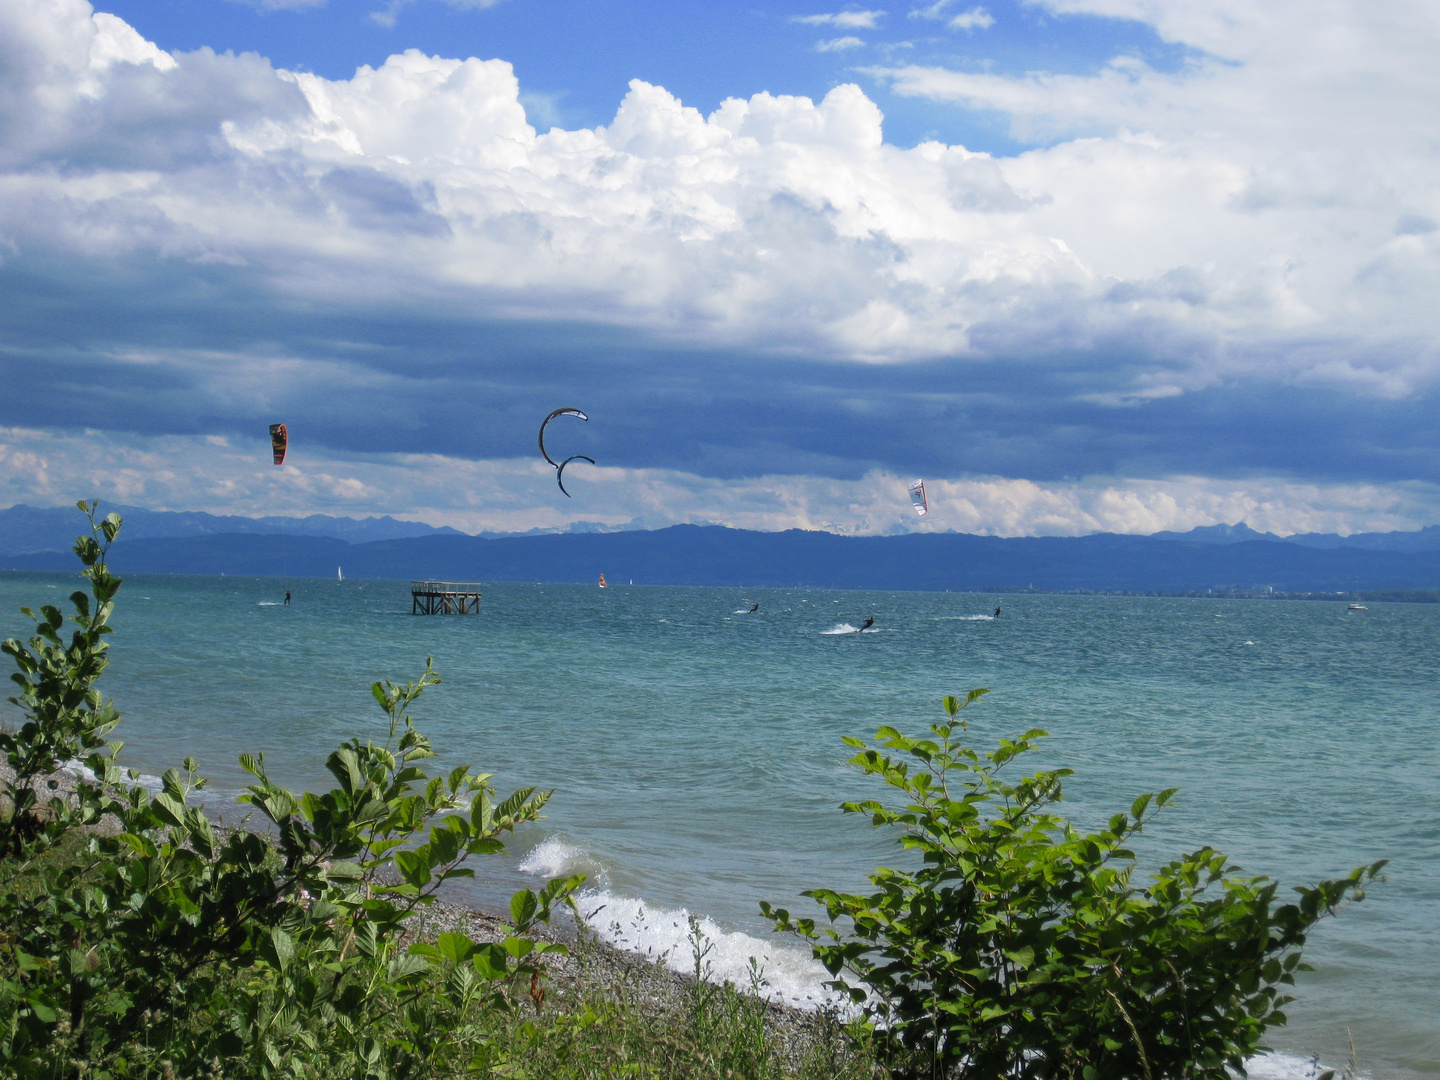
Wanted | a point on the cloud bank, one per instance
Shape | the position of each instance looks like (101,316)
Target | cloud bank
(219,474)
(1224,273)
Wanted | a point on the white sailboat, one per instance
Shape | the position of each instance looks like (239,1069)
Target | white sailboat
(339,574)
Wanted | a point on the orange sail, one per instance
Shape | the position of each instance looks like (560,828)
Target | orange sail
(602,581)
(278,442)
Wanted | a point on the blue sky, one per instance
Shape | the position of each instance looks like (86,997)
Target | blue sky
(575,60)
(1081,264)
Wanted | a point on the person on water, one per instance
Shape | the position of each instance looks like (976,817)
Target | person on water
(287,597)
(754,608)
(997,614)
(868,623)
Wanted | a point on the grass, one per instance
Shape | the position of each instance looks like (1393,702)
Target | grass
(608,1014)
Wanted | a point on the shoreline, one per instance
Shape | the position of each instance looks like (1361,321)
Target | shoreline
(593,968)
(591,965)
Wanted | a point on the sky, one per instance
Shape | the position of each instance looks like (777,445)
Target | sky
(1081,265)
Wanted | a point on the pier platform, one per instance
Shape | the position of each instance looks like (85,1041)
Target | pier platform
(445,597)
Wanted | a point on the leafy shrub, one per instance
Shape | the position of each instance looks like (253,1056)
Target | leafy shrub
(136,941)
(1021,948)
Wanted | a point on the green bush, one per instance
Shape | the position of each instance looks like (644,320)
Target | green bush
(135,941)
(1021,947)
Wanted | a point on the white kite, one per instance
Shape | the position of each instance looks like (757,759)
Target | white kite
(917,498)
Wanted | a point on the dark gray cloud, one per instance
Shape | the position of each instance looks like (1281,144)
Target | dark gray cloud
(177,349)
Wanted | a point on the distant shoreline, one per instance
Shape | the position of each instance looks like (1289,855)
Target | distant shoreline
(1374,596)
(714,555)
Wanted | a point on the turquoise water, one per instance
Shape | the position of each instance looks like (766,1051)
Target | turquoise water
(695,753)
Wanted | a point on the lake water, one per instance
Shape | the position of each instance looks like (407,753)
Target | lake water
(695,752)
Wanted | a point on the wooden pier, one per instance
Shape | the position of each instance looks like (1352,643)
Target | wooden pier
(445,597)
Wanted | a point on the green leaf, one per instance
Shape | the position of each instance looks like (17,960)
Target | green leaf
(169,809)
(456,948)
(405,968)
(281,949)
(413,867)
(1022,958)
(523,906)
(41,1008)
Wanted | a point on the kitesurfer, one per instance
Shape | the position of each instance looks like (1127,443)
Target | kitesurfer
(287,597)
(868,623)
(754,608)
(997,614)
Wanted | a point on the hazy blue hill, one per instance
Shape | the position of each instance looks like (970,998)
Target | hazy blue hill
(1219,534)
(712,555)
(35,528)
(1426,539)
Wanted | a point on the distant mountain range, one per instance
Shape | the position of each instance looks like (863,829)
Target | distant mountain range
(26,529)
(1426,539)
(1214,559)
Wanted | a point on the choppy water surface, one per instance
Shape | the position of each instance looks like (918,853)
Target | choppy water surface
(695,753)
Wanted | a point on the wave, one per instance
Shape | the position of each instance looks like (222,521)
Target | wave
(1282,1065)
(221,804)
(846,628)
(148,781)
(269,603)
(786,975)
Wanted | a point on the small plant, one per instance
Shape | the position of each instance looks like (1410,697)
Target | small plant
(1021,948)
(66,717)
(157,946)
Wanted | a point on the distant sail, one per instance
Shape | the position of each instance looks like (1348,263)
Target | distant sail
(917,498)
(602,582)
(278,442)
(339,574)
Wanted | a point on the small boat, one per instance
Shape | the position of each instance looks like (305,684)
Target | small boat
(1357,607)
(602,582)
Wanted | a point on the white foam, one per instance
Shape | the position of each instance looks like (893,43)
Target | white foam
(269,603)
(842,628)
(553,857)
(664,936)
(965,618)
(1280,1065)
(145,780)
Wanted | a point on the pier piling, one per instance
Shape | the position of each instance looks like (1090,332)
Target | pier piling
(445,597)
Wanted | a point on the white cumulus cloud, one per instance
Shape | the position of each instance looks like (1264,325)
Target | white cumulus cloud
(976,18)
(971,19)
(1277,198)
(1261,216)
(846,20)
